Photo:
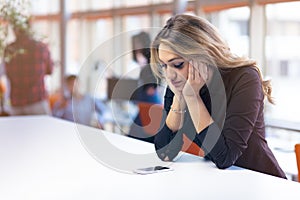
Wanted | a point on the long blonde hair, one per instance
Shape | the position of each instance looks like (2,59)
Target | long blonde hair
(192,37)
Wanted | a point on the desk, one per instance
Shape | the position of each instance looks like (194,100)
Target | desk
(119,116)
(285,154)
(44,158)
(282,142)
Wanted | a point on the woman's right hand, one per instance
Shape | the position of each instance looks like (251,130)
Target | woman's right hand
(173,88)
(178,96)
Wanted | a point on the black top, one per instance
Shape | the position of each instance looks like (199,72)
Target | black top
(235,101)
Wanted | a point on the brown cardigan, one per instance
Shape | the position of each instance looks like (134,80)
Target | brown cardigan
(235,101)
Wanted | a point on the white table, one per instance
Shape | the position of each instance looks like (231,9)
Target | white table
(46,158)
(285,156)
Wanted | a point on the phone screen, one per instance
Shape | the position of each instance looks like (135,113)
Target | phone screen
(150,170)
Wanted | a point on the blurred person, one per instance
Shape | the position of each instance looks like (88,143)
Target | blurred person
(2,92)
(77,107)
(2,98)
(214,97)
(148,84)
(147,91)
(27,62)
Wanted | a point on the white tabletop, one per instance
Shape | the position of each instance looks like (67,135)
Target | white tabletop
(48,158)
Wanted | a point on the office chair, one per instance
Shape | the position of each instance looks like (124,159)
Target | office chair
(190,147)
(297,152)
(151,116)
(53,98)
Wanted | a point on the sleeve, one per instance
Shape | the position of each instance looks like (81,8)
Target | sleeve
(225,145)
(100,106)
(58,110)
(167,143)
(48,60)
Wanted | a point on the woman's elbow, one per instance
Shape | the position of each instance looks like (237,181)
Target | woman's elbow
(223,164)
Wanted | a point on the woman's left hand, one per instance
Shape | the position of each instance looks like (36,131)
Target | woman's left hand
(197,76)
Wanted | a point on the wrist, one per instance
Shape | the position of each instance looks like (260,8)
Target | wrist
(178,102)
(193,102)
(178,111)
(192,98)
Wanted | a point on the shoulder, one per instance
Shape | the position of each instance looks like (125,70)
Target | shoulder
(40,44)
(242,80)
(239,71)
(240,75)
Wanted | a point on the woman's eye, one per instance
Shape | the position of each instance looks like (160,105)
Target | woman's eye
(179,65)
(163,65)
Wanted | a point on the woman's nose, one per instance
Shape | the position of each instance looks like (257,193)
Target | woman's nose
(171,73)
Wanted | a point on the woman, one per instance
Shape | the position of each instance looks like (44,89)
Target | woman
(213,97)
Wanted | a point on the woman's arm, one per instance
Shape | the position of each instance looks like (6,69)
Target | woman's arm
(169,142)
(175,117)
(199,113)
(197,77)
(224,145)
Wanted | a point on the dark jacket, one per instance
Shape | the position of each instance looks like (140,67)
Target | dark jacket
(235,101)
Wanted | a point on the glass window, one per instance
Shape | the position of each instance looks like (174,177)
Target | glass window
(73,46)
(283,61)
(103,4)
(132,25)
(41,7)
(48,32)
(233,26)
(135,2)
(104,30)
(161,1)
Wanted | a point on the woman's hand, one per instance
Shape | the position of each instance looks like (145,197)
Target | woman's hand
(197,76)
(177,93)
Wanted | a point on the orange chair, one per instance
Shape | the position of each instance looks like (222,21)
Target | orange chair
(297,152)
(2,94)
(190,147)
(151,116)
(53,98)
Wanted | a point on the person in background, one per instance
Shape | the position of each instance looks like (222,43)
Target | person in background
(148,84)
(2,91)
(77,107)
(2,98)
(213,97)
(27,62)
(147,91)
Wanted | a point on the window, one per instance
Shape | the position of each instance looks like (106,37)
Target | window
(42,7)
(283,61)
(233,25)
(84,34)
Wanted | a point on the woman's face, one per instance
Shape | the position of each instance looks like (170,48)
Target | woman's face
(175,67)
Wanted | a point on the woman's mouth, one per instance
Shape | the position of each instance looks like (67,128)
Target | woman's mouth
(176,83)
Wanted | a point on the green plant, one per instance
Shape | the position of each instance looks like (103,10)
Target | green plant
(13,13)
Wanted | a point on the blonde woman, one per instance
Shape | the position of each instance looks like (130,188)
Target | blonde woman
(213,97)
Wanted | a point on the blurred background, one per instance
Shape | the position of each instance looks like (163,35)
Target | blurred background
(90,33)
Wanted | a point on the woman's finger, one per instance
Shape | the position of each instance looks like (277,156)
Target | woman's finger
(191,75)
(203,71)
(197,71)
(197,74)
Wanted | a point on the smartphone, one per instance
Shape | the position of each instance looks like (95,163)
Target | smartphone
(151,170)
